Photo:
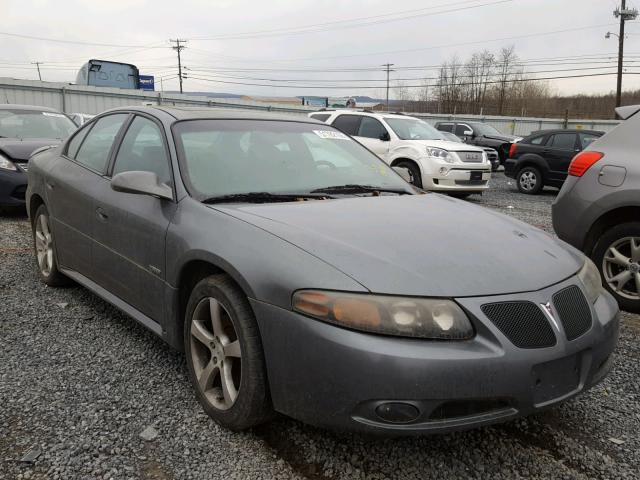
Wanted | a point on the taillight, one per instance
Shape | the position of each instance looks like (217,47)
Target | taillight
(513,149)
(582,162)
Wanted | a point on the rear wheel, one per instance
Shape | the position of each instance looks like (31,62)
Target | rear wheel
(415,172)
(617,255)
(44,246)
(224,355)
(529,180)
(460,195)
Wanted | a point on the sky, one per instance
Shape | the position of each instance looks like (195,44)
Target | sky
(281,46)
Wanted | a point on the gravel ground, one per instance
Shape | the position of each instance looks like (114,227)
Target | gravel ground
(79,383)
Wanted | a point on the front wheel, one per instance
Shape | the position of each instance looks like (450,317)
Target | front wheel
(224,355)
(617,255)
(44,246)
(529,180)
(415,172)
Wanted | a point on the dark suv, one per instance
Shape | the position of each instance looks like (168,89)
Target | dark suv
(480,134)
(543,157)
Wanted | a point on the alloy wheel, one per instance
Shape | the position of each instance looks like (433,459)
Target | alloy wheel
(215,353)
(44,245)
(621,267)
(528,180)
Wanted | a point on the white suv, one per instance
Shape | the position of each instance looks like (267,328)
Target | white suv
(404,141)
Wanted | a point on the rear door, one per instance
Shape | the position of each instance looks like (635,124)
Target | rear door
(349,124)
(371,133)
(560,149)
(70,188)
(129,229)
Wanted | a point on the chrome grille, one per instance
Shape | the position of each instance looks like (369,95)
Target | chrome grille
(470,157)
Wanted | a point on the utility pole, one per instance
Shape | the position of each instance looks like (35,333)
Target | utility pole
(624,15)
(178,47)
(37,64)
(388,68)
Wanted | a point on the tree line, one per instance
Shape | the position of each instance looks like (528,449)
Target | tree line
(489,83)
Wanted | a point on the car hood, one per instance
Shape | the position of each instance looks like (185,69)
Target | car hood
(446,145)
(21,149)
(422,245)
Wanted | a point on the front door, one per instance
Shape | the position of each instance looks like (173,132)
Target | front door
(373,135)
(130,230)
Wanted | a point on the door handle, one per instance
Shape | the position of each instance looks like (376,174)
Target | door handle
(101,214)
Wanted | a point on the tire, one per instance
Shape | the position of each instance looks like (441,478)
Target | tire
(415,172)
(45,250)
(614,269)
(529,180)
(226,363)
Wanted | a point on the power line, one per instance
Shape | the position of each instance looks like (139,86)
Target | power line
(335,25)
(73,42)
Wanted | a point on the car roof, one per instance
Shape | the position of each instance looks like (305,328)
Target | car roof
(15,106)
(365,113)
(212,113)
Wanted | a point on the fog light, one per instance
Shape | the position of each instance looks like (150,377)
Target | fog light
(397,412)
(444,171)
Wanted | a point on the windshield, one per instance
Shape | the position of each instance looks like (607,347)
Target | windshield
(484,129)
(223,157)
(34,124)
(413,129)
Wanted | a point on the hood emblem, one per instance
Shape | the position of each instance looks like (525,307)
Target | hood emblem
(546,308)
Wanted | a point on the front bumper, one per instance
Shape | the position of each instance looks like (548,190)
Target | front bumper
(338,378)
(457,178)
(13,187)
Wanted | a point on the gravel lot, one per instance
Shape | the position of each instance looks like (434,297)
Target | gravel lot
(79,382)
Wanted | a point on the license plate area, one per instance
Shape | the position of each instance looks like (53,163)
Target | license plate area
(556,379)
(475,176)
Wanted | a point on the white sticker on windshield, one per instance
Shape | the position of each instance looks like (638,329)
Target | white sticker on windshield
(50,114)
(331,134)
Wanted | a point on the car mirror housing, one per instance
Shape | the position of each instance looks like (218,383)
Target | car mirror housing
(468,133)
(385,137)
(141,183)
(405,173)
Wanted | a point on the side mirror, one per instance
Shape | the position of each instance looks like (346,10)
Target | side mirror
(385,137)
(405,173)
(141,183)
(468,133)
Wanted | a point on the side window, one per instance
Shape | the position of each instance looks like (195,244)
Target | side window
(461,128)
(562,141)
(76,141)
(587,139)
(445,127)
(142,149)
(371,128)
(349,124)
(95,149)
(537,140)
(321,116)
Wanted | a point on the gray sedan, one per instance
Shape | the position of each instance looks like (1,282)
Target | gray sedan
(300,274)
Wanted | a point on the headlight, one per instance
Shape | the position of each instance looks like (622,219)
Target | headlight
(7,164)
(590,278)
(433,318)
(440,154)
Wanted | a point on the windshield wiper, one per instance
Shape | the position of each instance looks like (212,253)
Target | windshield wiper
(355,188)
(263,197)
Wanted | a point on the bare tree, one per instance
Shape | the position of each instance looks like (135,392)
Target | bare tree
(506,71)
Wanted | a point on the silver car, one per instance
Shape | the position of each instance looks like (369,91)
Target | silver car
(598,208)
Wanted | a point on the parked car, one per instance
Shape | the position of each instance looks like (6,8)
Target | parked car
(482,135)
(543,158)
(598,208)
(24,129)
(492,153)
(81,118)
(267,248)
(435,163)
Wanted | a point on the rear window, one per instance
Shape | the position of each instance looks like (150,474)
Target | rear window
(349,124)
(587,139)
(562,141)
(536,140)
